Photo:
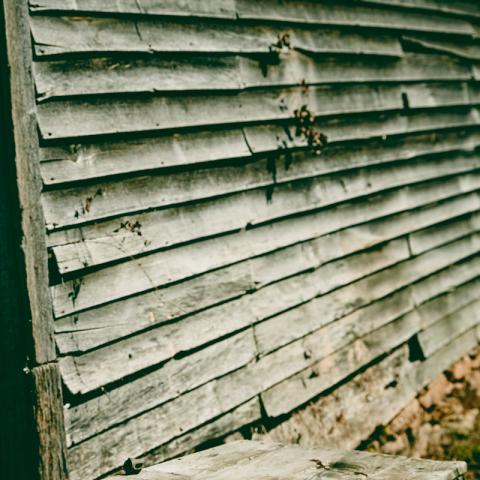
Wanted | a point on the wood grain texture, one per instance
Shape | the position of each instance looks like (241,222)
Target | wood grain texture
(55,35)
(208,8)
(352,15)
(71,119)
(211,262)
(304,12)
(299,354)
(44,442)
(463,8)
(63,78)
(99,243)
(466,50)
(84,332)
(255,460)
(50,422)
(88,161)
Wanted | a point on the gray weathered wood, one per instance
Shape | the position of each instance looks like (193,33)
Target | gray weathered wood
(240,416)
(28,179)
(458,293)
(422,241)
(158,345)
(101,159)
(300,388)
(372,398)
(100,116)
(469,51)
(254,460)
(50,427)
(59,35)
(456,323)
(95,244)
(170,381)
(351,15)
(303,12)
(122,318)
(462,7)
(47,438)
(209,8)
(144,75)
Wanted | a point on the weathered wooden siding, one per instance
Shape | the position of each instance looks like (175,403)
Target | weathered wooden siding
(248,202)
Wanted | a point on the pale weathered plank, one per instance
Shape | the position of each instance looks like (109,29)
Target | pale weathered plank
(121,318)
(351,15)
(422,241)
(297,190)
(239,417)
(79,162)
(173,379)
(430,95)
(87,161)
(99,243)
(276,332)
(264,138)
(238,247)
(351,413)
(438,335)
(245,460)
(303,12)
(300,388)
(157,345)
(139,395)
(79,334)
(459,7)
(459,292)
(467,50)
(95,76)
(203,403)
(61,35)
(126,357)
(101,116)
(200,8)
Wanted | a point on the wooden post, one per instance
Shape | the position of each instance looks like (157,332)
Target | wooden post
(33,444)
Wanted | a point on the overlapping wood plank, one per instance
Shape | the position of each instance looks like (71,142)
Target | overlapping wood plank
(317,13)
(70,119)
(300,388)
(88,161)
(247,413)
(80,334)
(94,244)
(63,78)
(353,15)
(292,462)
(191,260)
(300,185)
(438,334)
(459,7)
(155,346)
(53,35)
(129,315)
(200,8)
(467,50)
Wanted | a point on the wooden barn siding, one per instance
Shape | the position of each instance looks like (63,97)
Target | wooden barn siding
(208,266)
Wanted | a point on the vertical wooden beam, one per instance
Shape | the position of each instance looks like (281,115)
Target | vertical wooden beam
(33,442)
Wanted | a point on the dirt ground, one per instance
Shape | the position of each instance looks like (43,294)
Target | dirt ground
(442,423)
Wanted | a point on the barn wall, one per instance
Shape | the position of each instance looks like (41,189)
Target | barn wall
(248,203)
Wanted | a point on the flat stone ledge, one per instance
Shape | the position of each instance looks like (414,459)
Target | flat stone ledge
(248,460)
